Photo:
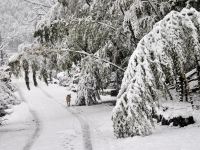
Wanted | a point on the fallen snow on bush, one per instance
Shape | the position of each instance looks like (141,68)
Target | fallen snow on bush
(171,110)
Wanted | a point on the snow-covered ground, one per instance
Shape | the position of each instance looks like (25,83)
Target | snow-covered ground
(43,122)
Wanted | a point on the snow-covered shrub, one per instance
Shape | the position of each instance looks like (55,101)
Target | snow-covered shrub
(62,78)
(7,97)
(145,77)
(175,114)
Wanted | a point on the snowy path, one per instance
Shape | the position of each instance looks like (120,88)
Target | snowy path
(93,138)
(48,125)
(52,125)
(58,129)
(36,121)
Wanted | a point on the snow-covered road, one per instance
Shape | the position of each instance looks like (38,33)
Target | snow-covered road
(92,138)
(48,124)
(36,121)
(43,122)
(83,123)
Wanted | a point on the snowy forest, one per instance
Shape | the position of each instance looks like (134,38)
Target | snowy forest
(99,74)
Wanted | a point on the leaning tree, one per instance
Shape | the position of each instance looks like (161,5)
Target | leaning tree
(160,56)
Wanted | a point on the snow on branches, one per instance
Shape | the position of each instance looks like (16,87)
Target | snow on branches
(160,56)
(90,82)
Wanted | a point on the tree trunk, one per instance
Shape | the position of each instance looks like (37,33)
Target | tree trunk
(34,78)
(27,80)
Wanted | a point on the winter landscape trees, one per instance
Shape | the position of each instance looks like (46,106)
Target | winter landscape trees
(156,42)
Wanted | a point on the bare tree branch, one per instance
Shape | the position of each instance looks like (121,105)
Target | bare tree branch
(81,52)
(92,55)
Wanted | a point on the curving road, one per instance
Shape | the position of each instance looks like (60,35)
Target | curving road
(51,124)
(44,123)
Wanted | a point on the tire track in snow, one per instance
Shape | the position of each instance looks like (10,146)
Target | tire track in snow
(98,133)
(36,133)
(84,125)
(85,129)
(13,130)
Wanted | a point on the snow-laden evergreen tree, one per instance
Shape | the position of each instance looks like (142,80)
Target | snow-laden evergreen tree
(144,81)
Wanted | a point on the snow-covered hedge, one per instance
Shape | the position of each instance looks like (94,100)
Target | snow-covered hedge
(160,55)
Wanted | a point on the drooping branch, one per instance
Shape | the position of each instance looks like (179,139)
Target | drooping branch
(84,53)
(92,55)
(154,9)
(103,24)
